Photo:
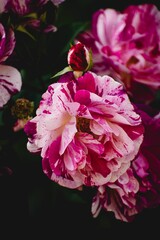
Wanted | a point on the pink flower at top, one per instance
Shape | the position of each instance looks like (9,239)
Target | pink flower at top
(86,131)
(126,46)
(139,187)
(10,78)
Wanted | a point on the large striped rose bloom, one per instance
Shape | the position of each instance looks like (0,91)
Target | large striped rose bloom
(86,131)
(125,45)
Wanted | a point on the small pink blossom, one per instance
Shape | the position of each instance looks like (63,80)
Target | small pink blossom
(86,131)
(125,45)
(19,124)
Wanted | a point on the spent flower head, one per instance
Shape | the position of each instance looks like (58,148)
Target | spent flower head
(22,111)
(22,108)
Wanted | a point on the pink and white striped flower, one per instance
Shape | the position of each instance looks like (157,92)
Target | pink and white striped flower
(10,78)
(125,45)
(86,131)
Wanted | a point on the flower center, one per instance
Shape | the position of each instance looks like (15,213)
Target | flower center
(83,125)
(132,60)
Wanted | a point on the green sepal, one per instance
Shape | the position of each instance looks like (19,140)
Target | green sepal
(90,62)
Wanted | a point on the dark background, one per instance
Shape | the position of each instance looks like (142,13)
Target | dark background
(31,206)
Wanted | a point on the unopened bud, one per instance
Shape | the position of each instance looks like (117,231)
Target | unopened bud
(79,58)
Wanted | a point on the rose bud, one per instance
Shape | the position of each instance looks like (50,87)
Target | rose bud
(79,58)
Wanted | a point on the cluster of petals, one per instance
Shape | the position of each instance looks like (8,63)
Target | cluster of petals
(118,197)
(22,7)
(125,45)
(10,78)
(146,165)
(32,10)
(139,187)
(86,130)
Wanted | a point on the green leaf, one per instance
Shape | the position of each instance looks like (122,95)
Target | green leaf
(65,70)
(22,29)
(32,15)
